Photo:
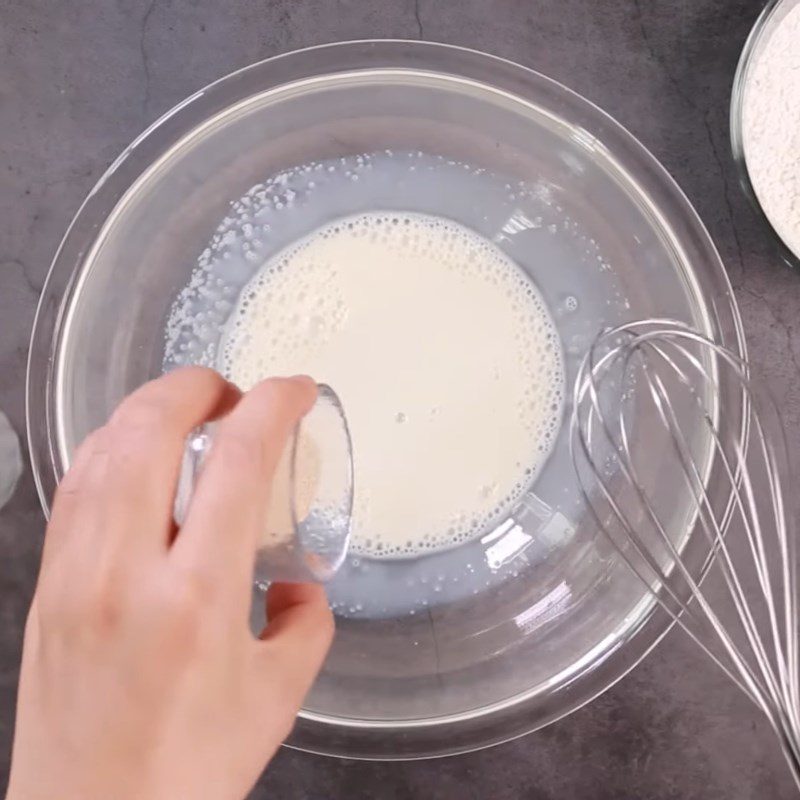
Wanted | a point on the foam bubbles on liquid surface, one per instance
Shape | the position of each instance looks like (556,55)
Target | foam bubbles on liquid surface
(443,353)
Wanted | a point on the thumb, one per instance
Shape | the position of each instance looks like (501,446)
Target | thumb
(298,635)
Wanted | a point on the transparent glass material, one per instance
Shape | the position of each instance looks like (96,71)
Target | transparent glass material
(555,618)
(10,460)
(311,499)
(774,12)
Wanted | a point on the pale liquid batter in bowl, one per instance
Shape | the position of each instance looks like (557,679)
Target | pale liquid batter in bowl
(443,353)
(526,239)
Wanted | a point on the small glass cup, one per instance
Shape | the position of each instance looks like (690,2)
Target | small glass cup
(307,526)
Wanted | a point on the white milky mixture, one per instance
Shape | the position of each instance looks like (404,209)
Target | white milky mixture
(445,358)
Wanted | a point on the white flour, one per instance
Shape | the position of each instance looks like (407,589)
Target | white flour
(771,128)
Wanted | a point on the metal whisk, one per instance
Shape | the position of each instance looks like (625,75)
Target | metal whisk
(681,457)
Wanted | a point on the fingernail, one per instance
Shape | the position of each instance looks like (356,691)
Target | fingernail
(303,379)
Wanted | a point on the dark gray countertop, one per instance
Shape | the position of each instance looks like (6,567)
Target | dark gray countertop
(79,80)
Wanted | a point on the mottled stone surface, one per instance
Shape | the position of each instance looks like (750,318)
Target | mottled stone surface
(79,80)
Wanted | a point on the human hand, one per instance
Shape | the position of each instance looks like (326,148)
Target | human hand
(140,677)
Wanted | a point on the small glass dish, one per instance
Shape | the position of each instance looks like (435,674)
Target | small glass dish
(774,12)
(307,524)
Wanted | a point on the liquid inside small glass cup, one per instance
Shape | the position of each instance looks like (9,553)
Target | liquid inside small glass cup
(308,506)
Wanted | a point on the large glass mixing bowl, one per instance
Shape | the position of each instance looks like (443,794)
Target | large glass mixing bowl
(555,618)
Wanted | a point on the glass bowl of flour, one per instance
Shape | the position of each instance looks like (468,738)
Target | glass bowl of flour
(438,235)
(765,122)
